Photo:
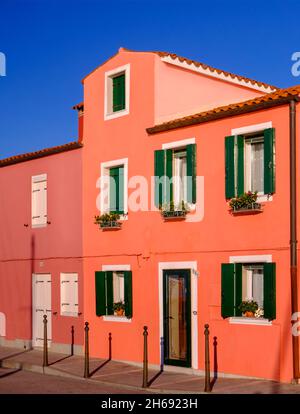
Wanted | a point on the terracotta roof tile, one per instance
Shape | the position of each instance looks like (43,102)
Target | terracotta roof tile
(41,153)
(277,97)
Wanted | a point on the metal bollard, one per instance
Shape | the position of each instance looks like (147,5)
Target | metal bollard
(145,360)
(109,346)
(72,340)
(86,351)
(207,362)
(45,353)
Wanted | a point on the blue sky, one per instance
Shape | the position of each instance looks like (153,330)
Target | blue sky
(51,45)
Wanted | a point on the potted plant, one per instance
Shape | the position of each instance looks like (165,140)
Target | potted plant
(170,211)
(108,221)
(119,308)
(248,308)
(247,202)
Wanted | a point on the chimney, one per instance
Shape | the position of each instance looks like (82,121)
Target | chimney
(80,110)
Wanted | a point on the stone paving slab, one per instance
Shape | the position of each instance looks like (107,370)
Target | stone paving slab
(130,377)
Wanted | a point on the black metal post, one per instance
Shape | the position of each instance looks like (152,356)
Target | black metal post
(162,354)
(109,346)
(145,360)
(207,362)
(45,353)
(72,340)
(86,351)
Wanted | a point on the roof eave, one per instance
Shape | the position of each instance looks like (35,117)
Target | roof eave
(220,115)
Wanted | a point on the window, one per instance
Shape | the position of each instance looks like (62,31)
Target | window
(175,176)
(243,282)
(249,163)
(117,83)
(69,294)
(112,289)
(116,190)
(118,92)
(39,200)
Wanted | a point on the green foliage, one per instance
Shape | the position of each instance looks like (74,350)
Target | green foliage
(107,218)
(248,306)
(118,306)
(246,200)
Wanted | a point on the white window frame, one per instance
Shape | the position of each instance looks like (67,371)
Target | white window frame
(66,275)
(108,92)
(104,171)
(244,260)
(116,268)
(177,145)
(37,179)
(253,129)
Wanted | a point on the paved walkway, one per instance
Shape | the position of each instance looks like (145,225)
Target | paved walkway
(129,377)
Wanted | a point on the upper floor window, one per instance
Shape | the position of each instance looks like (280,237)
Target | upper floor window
(175,176)
(250,163)
(116,190)
(114,187)
(39,200)
(117,91)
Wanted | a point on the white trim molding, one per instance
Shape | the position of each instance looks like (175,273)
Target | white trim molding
(179,144)
(261,258)
(194,303)
(108,90)
(104,172)
(249,321)
(251,128)
(114,318)
(215,74)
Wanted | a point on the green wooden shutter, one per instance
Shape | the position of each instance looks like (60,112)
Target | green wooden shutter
(109,293)
(227,290)
(269,165)
(240,165)
(229,167)
(128,293)
(119,93)
(169,175)
(121,190)
(100,291)
(270,291)
(191,172)
(238,287)
(159,172)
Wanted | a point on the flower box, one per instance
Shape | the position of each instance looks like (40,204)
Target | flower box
(173,215)
(110,225)
(252,208)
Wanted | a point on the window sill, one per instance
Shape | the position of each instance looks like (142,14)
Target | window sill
(38,226)
(250,321)
(116,114)
(113,318)
(70,314)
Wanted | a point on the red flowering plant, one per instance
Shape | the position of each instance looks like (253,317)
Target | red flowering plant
(244,201)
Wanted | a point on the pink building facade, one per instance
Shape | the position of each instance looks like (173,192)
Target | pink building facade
(170,257)
(38,254)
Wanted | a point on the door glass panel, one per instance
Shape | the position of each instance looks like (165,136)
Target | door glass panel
(177,318)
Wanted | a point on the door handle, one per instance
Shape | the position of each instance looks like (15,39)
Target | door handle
(55,313)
